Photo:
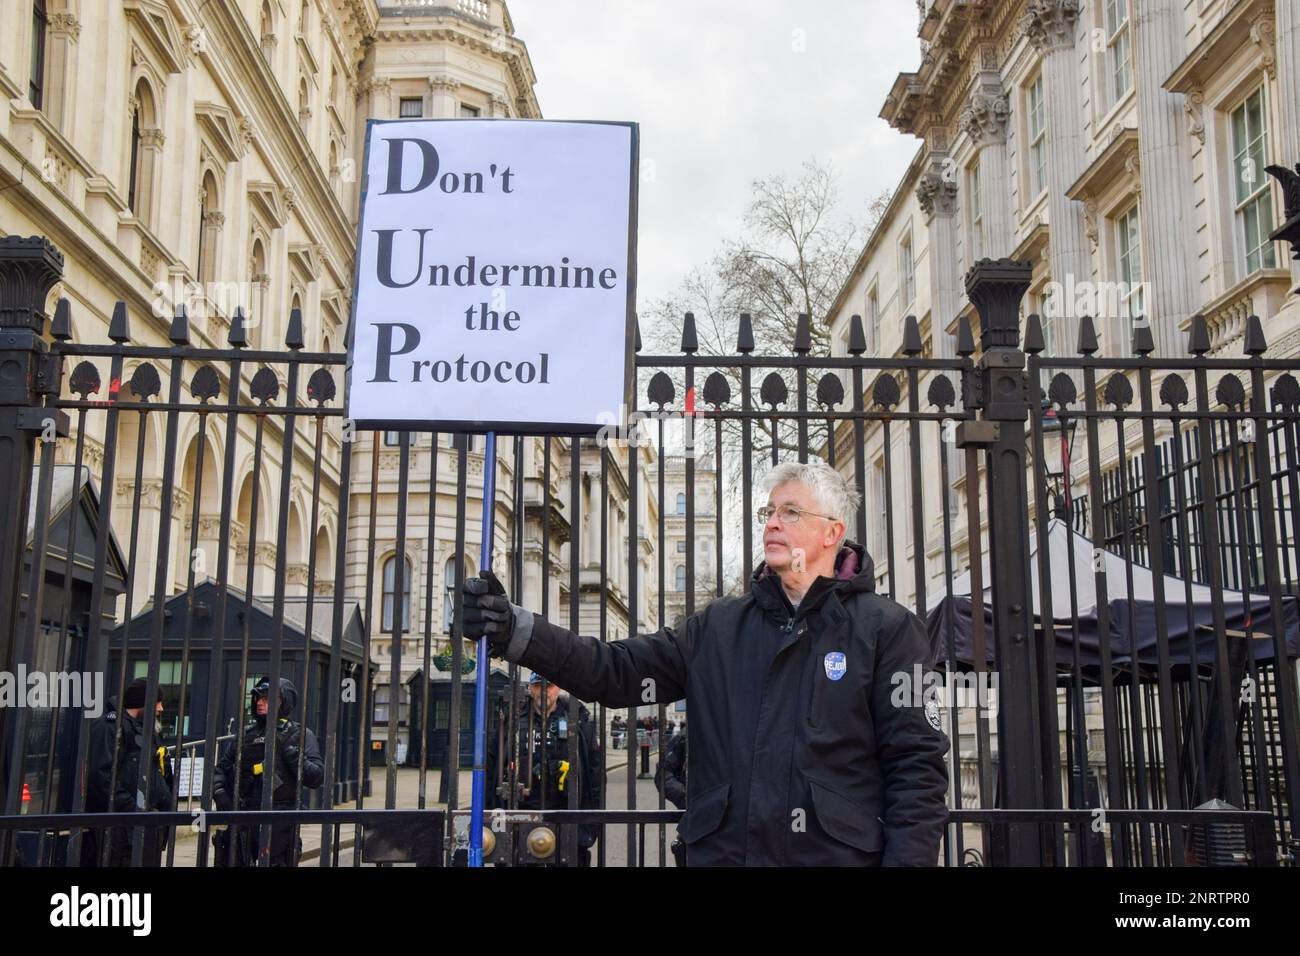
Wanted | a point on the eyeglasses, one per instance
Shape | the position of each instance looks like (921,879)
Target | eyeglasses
(788,514)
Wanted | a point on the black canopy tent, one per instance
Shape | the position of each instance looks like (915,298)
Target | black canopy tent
(1132,621)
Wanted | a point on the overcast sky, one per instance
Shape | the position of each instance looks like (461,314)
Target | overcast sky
(726,91)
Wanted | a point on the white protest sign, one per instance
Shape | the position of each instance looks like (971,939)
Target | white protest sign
(495,275)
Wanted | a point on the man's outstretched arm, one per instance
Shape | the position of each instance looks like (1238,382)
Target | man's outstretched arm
(647,669)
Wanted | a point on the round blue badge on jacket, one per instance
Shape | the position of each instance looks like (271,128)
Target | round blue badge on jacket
(834,664)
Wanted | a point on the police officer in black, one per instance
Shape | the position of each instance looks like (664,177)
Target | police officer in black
(123,730)
(803,750)
(670,778)
(295,748)
(545,775)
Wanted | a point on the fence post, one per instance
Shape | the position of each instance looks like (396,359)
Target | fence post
(995,287)
(29,268)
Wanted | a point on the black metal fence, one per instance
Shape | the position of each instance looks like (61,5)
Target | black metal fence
(202,515)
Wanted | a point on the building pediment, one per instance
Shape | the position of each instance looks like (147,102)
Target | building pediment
(306,258)
(155,24)
(265,199)
(222,130)
(1114,164)
(1247,24)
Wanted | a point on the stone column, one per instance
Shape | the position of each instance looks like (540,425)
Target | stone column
(1051,26)
(444,97)
(1287,136)
(1168,253)
(146,178)
(985,122)
(937,193)
(60,82)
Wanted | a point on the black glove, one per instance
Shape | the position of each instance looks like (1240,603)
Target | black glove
(487,612)
(288,753)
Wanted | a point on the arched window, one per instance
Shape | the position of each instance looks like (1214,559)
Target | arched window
(36,81)
(390,591)
(449,595)
(210,222)
(681,577)
(267,34)
(304,103)
(133,181)
(260,282)
(146,145)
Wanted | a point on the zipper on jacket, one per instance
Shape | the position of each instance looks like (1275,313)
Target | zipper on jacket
(789,625)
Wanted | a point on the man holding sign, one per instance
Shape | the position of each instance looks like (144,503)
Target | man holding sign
(801,753)
(495,291)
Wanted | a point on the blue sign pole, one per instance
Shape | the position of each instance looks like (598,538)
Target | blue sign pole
(480,673)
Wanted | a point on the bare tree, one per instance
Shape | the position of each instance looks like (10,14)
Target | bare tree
(792,255)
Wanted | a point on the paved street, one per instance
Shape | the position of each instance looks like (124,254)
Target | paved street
(407,797)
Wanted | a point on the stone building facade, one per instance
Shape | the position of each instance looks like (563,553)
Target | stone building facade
(207,154)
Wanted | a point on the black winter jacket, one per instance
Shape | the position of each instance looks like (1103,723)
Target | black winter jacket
(798,754)
(670,777)
(291,737)
(126,796)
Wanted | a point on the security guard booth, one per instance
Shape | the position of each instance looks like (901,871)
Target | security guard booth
(440,696)
(304,662)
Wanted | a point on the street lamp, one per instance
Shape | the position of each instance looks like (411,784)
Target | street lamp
(1058,449)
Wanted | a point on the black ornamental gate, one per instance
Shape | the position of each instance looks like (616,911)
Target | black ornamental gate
(200,514)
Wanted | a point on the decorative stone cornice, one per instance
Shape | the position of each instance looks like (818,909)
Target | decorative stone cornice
(1090,222)
(66,24)
(377,85)
(937,194)
(1050,24)
(985,118)
(1263,35)
(1194,105)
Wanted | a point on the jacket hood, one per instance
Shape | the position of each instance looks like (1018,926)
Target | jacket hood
(852,564)
(854,571)
(288,695)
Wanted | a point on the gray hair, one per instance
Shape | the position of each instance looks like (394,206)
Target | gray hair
(833,492)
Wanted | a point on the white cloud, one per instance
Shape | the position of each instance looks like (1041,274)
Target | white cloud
(726,92)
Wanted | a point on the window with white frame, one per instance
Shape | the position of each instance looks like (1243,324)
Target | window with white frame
(36,74)
(1128,255)
(876,510)
(1251,195)
(907,270)
(410,107)
(1048,309)
(975,187)
(390,594)
(873,320)
(1037,138)
(1119,50)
